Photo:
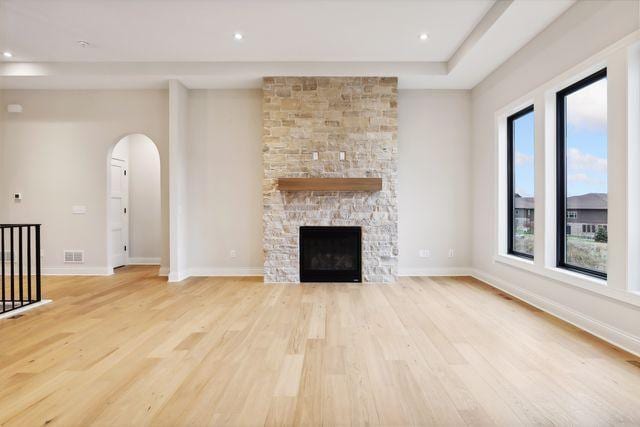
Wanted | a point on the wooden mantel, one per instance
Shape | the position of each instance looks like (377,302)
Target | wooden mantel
(329,184)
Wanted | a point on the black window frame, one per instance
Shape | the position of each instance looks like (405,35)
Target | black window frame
(561,173)
(510,181)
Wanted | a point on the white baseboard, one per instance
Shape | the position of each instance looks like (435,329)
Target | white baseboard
(179,276)
(77,271)
(438,271)
(89,271)
(595,327)
(226,271)
(23,309)
(144,261)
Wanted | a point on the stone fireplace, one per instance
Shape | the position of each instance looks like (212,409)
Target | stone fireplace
(350,123)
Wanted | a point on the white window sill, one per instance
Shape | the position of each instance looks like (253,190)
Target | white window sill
(582,281)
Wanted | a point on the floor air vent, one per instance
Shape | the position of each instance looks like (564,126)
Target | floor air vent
(74,257)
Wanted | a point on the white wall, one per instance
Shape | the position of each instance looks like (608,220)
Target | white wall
(4,194)
(145,222)
(62,134)
(225,181)
(144,206)
(225,178)
(434,181)
(178,173)
(584,30)
(56,154)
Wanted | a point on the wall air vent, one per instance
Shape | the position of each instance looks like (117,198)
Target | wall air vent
(73,257)
(7,257)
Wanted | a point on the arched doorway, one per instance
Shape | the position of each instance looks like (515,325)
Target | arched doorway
(134,229)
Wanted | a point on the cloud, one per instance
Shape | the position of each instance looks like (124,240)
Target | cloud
(522,159)
(579,161)
(522,192)
(587,108)
(578,177)
(585,182)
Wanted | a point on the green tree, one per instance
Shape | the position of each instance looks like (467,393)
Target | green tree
(601,235)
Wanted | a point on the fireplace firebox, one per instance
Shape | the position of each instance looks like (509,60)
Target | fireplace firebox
(330,254)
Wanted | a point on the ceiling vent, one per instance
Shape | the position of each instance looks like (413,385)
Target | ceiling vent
(74,257)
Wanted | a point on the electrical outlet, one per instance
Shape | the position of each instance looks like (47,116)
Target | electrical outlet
(452,253)
(78,209)
(424,253)
(233,253)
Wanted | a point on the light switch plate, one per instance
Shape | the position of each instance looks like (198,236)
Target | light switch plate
(14,108)
(314,155)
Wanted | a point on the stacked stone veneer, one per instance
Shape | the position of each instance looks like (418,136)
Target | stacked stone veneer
(357,115)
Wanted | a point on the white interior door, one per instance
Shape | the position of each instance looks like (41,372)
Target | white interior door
(119,201)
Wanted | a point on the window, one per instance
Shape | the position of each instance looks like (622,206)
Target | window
(520,175)
(572,214)
(582,174)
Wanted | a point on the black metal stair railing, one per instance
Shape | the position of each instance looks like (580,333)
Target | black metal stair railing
(20,264)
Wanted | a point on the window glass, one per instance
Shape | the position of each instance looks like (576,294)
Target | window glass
(585,175)
(521,140)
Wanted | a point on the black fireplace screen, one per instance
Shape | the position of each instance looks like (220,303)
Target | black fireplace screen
(330,254)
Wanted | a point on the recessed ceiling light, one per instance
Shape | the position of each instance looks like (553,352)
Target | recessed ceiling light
(424,37)
(238,36)
(7,54)
(83,43)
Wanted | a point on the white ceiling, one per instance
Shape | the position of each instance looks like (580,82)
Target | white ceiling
(187,30)
(193,40)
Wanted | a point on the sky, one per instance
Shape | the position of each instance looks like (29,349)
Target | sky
(586,141)
(523,140)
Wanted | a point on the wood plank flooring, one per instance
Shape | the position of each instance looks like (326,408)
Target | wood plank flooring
(131,349)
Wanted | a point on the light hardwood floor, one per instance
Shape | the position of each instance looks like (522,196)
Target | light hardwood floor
(132,350)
